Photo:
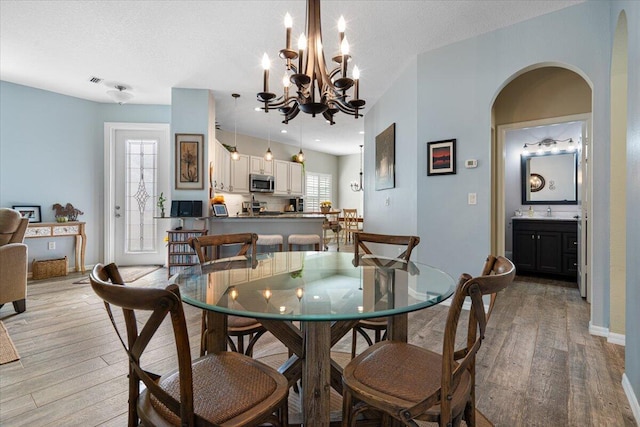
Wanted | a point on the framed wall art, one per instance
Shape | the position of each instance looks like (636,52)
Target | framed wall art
(386,158)
(31,212)
(441,157)
(189,161)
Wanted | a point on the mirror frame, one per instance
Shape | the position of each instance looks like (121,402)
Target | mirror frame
(524,178)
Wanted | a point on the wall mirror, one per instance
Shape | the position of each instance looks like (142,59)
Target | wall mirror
(550,178)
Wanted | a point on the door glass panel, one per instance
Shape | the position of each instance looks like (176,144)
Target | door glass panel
(141,189)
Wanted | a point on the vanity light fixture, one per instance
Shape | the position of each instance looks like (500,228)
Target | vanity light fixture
(317,89)
(234,153)
(355,186)
(548,145)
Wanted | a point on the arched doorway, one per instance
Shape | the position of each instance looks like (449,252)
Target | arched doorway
(538,97)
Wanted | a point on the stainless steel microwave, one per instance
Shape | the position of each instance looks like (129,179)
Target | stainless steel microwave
(261,183)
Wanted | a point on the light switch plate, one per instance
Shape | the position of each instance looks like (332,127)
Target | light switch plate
(471,163)
(472,198)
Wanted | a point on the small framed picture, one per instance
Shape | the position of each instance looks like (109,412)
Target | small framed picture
(220,209)
(31,212)
(441,157)
(189,161)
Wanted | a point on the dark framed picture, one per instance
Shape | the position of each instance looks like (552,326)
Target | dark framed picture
(220,209)
(31,212)
(189,161)
(386,158)
(441,157)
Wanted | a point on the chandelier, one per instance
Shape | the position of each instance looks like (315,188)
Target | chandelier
(317,90)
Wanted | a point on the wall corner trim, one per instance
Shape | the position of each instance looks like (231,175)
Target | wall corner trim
(619,339)
(631,397)
(598,331)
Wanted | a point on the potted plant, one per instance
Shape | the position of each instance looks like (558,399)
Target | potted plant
(160,203)
(325,206)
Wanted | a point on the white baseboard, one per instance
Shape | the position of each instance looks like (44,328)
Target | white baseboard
(612,337)
(631,397)
(598,331)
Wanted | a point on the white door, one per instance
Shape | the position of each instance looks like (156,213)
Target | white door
(584,202)
(140,173)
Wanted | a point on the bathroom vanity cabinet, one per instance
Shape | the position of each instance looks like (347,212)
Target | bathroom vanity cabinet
(547,246)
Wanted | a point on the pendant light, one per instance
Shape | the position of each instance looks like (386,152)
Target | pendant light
(355,186)
(300,156)
(234,153)
(268,155)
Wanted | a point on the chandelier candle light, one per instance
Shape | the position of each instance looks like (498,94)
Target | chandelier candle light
(319,91)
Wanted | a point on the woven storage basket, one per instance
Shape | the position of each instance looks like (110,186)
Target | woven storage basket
(50,268)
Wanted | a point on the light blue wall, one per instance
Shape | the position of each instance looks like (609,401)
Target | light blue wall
(190,113)
(456,88)
(632,326)
(398,105)
(52,151)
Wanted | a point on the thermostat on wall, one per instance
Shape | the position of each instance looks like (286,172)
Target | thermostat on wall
(471,163)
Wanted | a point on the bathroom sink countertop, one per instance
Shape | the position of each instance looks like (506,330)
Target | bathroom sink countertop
(559,216)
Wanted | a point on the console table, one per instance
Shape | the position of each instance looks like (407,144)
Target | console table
(61,229)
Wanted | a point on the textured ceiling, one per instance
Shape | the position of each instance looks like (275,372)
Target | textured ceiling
(152,46)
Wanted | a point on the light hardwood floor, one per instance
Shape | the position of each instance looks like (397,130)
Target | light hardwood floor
(538,365)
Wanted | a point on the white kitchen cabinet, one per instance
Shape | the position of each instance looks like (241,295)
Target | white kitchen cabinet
(289,178)
(261,166)
(240,175)
(221,168)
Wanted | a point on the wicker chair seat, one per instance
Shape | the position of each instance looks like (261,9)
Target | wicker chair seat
(237,322)
(249,387)
(400,375)
(270,239)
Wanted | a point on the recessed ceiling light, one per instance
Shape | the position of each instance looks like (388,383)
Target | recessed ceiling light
(317,140)
(283,131)
(257,109)
(361,132)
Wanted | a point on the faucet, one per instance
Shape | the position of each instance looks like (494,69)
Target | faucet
(549,211)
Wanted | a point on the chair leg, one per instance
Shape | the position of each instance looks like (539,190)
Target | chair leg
(20,305)
(203,334)
(317,245)
(280,247)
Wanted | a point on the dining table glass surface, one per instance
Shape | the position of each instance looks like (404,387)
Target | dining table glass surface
(313,286)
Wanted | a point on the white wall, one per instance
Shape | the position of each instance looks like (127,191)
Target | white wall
(349,170)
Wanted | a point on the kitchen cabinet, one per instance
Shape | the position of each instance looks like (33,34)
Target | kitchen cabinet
(239,183)
(546,247)
(260,166)
(289,178)
(222,168)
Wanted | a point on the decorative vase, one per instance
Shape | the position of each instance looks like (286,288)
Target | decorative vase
(162,213)
(325,209)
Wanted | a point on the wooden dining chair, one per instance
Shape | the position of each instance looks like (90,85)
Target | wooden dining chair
(350,220)
(377,325)
(238,327)
(223,389)
(408,383)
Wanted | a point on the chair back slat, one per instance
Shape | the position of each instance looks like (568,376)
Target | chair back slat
(362,238)
(161,303)
(497,274)
(199,244)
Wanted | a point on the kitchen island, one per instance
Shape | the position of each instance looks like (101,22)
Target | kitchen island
(284,224)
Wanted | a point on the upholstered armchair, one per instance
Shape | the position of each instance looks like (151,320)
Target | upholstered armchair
(13,259)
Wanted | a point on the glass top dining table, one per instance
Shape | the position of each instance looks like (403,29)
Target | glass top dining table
(309,301)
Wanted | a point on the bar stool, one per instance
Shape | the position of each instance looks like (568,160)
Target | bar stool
(270,240)
(304,239)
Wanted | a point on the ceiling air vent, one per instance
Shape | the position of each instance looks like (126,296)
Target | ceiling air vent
(95,80)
